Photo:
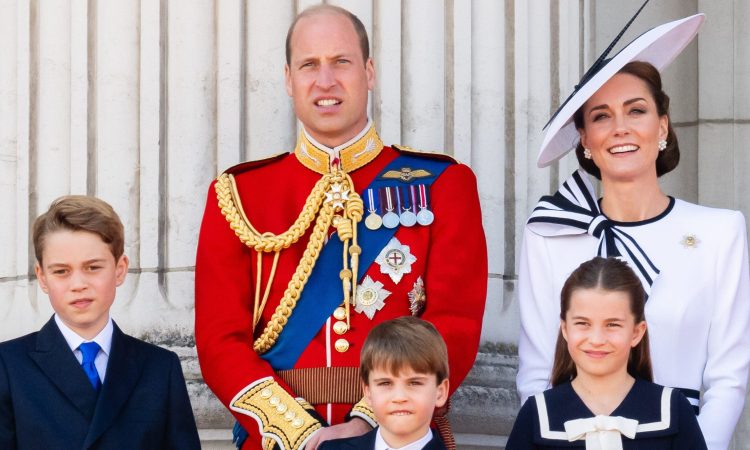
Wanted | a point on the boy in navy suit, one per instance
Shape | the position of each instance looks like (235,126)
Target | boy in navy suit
(80,382)
(404,371)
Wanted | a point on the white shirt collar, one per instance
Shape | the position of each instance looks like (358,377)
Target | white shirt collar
(419,444)
(335,151)
(104,338)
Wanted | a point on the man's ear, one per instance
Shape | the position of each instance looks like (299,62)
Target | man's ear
(41,277)
(370,69)
(288,79)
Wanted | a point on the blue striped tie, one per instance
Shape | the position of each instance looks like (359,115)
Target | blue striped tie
(89,350)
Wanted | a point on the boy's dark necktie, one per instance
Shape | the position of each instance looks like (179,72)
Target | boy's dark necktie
(89,350)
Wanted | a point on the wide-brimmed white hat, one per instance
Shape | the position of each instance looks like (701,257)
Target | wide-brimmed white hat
(658,46)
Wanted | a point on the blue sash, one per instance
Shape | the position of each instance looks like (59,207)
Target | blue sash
(322,293)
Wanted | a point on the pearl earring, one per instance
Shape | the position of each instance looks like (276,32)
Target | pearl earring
(586,153)
(662,145)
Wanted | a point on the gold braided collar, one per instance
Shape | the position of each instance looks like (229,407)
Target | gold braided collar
(355,155)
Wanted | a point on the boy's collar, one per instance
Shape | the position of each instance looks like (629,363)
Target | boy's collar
(104,338)
(419,444)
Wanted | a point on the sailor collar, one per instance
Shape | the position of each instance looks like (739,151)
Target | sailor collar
(350,156)
(649,404)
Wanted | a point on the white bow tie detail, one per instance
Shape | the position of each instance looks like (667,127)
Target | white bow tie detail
(601,432)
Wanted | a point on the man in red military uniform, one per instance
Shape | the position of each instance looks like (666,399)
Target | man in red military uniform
(300,255)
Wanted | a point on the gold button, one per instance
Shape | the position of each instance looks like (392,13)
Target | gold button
(274,401)
(298,423)
(340,327)
(289,416)
(281,408)
(340,313)
(266,393)
(341,345)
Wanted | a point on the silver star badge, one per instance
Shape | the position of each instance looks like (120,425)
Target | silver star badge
(370,297)
(395,260)
(337,196)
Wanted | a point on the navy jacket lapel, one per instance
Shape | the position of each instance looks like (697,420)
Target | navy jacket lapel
(57,362)
(435,443)
(366,441)
(123,371)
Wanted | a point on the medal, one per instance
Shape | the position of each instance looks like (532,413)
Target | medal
(370,297)
(408,218)
(390,218)
(337,196)
(424,216)
(417,298)
(373,221)
(395,260)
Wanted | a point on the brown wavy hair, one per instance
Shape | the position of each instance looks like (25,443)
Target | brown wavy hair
(609,274)
(404,343)
(669,158)
(80,213)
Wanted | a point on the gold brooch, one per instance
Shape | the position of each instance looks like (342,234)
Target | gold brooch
(690,241)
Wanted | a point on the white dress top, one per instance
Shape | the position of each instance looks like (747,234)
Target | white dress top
(698,312)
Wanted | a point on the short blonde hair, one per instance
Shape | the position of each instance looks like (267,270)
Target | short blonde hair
(404,342)
(80,213)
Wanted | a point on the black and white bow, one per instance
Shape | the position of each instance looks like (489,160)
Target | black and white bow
(574,210)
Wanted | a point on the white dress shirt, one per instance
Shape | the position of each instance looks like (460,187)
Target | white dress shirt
(104,339)
(419,444)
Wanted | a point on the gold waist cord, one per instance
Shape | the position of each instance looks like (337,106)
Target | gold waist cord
(333,201)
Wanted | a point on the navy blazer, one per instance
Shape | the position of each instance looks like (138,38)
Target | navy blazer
(46,400)
(367,442)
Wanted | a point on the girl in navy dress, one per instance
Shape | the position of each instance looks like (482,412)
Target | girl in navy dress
(602,396)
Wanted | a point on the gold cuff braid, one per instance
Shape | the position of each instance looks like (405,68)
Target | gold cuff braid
(364,412)
(282,418)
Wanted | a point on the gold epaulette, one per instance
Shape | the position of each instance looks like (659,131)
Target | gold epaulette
(424,154)
(364,412)
(248,165)
(281,417)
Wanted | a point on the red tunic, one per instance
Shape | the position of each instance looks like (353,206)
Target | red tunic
(451,258)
